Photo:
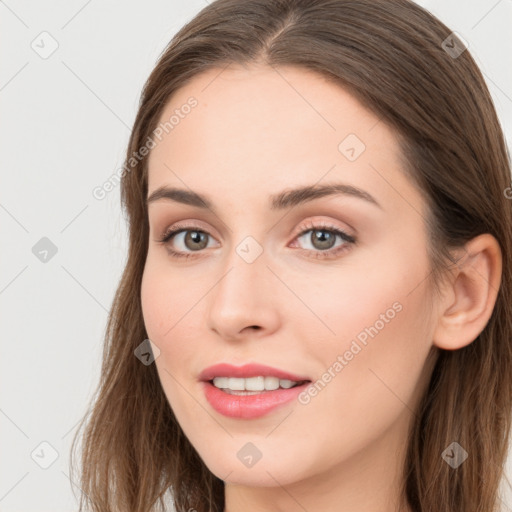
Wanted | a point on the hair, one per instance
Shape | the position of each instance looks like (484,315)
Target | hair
(390,56)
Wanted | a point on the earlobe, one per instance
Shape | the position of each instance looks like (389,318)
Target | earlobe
(469,299)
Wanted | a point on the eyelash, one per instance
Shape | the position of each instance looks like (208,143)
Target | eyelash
(330,253)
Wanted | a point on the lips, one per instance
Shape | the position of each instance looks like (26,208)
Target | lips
(249,405)
(246,371)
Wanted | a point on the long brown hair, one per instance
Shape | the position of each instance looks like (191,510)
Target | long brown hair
(397,60)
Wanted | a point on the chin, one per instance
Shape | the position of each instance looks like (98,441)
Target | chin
(269,471)
(264,476)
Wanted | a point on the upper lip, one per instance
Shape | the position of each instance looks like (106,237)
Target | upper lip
(246,371)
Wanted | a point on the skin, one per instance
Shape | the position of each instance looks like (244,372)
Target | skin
(344,449)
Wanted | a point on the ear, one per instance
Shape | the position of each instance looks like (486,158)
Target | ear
(469,298)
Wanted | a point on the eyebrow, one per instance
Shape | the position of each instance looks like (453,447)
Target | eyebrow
(283,200)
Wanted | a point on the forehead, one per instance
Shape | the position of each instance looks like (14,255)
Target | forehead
(260,129)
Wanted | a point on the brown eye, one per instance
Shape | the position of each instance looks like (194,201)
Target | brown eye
(193,240)
(322,239)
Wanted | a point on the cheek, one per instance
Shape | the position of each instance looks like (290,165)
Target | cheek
(374,367)
(170,305)
(361,299)
(378,338)
(169,327)
(382,381)
(167,301)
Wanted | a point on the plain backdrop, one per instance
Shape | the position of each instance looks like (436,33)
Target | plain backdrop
(70,78)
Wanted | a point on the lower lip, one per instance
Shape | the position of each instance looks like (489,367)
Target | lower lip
(249,406)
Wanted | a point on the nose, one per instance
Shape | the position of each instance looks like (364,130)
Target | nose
(244,300)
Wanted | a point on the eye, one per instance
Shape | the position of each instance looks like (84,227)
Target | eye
(322,239)
(187,235)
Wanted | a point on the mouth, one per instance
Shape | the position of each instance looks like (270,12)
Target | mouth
(249,391)
(250,404)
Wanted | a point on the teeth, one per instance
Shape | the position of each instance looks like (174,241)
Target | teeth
(252,383)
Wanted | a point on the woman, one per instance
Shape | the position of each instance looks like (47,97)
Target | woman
(315,309)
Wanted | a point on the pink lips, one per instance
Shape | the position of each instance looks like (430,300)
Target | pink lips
(248,406)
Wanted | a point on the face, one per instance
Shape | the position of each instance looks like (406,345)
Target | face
(330,288)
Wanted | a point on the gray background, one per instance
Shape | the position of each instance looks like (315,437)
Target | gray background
(64,128)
